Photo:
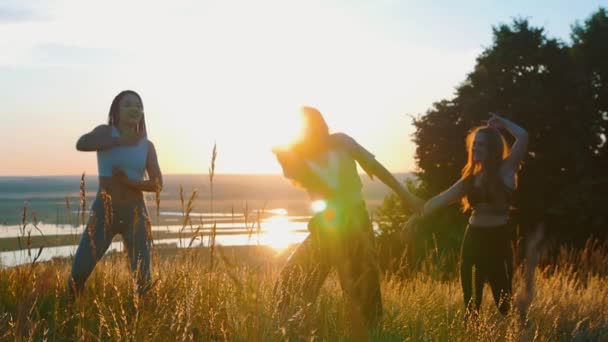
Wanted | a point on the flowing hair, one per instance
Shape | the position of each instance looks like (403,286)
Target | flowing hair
(314,138)
(315,132)
(114,117)
(497,151)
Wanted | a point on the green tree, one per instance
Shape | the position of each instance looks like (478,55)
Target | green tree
(590,55)
(559,94)
(590,52)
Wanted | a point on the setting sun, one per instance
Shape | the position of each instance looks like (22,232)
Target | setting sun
(277,233)
(276,170)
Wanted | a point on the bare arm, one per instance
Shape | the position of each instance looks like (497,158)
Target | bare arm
(99,138)
(155,183)
(400,189)
(445,198)
(520,146)
(374,168)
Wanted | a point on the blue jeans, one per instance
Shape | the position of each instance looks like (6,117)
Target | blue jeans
(105,221)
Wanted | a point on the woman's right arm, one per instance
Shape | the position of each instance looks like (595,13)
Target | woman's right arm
(99,138)
(445,198)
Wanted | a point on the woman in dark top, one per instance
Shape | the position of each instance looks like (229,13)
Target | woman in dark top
(488,182)
(124,157)
(341,235)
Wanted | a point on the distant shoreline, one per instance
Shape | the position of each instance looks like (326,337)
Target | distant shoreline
(48,196)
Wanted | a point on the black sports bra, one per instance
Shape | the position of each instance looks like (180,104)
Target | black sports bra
(480,196)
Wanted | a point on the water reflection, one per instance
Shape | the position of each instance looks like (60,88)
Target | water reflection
(277,231)
(277,241)
(236,224)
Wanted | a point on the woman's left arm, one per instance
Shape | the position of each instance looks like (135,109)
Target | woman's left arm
(155,183)
(520,146)
(399,188)
(373,167)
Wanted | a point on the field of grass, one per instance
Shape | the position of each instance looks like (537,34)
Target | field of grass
(234,301)
(218,293)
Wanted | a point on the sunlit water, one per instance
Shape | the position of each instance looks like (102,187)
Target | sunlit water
(277,230)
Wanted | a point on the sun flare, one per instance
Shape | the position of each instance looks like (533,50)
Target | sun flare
(284,131)
(318,206)
(276,233)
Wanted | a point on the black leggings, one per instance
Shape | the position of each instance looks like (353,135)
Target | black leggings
(487,256)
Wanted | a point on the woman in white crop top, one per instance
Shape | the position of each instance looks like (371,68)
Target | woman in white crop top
(124,156)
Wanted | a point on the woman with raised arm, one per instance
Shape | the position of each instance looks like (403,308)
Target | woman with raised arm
(124,157)
(341,235)
(487,186)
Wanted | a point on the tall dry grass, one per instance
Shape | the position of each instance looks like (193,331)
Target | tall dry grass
(211,294)
(235,300)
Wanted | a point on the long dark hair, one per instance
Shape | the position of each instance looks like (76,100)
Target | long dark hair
(114,118)
(497,151)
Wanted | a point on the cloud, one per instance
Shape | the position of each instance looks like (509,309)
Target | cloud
(15,12)
(71,55)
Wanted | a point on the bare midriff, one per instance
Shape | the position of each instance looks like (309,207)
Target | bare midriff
(488,216)
(119,193)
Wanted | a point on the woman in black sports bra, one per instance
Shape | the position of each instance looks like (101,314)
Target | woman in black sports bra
(488,182)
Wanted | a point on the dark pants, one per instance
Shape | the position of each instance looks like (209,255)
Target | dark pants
(347,246)
(105,221)
(487,256)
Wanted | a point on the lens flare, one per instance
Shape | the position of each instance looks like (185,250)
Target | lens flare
(318,206)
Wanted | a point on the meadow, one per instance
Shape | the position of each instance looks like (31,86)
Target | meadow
(228,294)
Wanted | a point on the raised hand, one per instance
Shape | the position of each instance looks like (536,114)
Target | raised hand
(496,121)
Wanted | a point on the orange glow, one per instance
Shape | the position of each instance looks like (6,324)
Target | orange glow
(276,233)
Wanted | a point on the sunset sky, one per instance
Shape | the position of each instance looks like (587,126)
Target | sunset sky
(236,72)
